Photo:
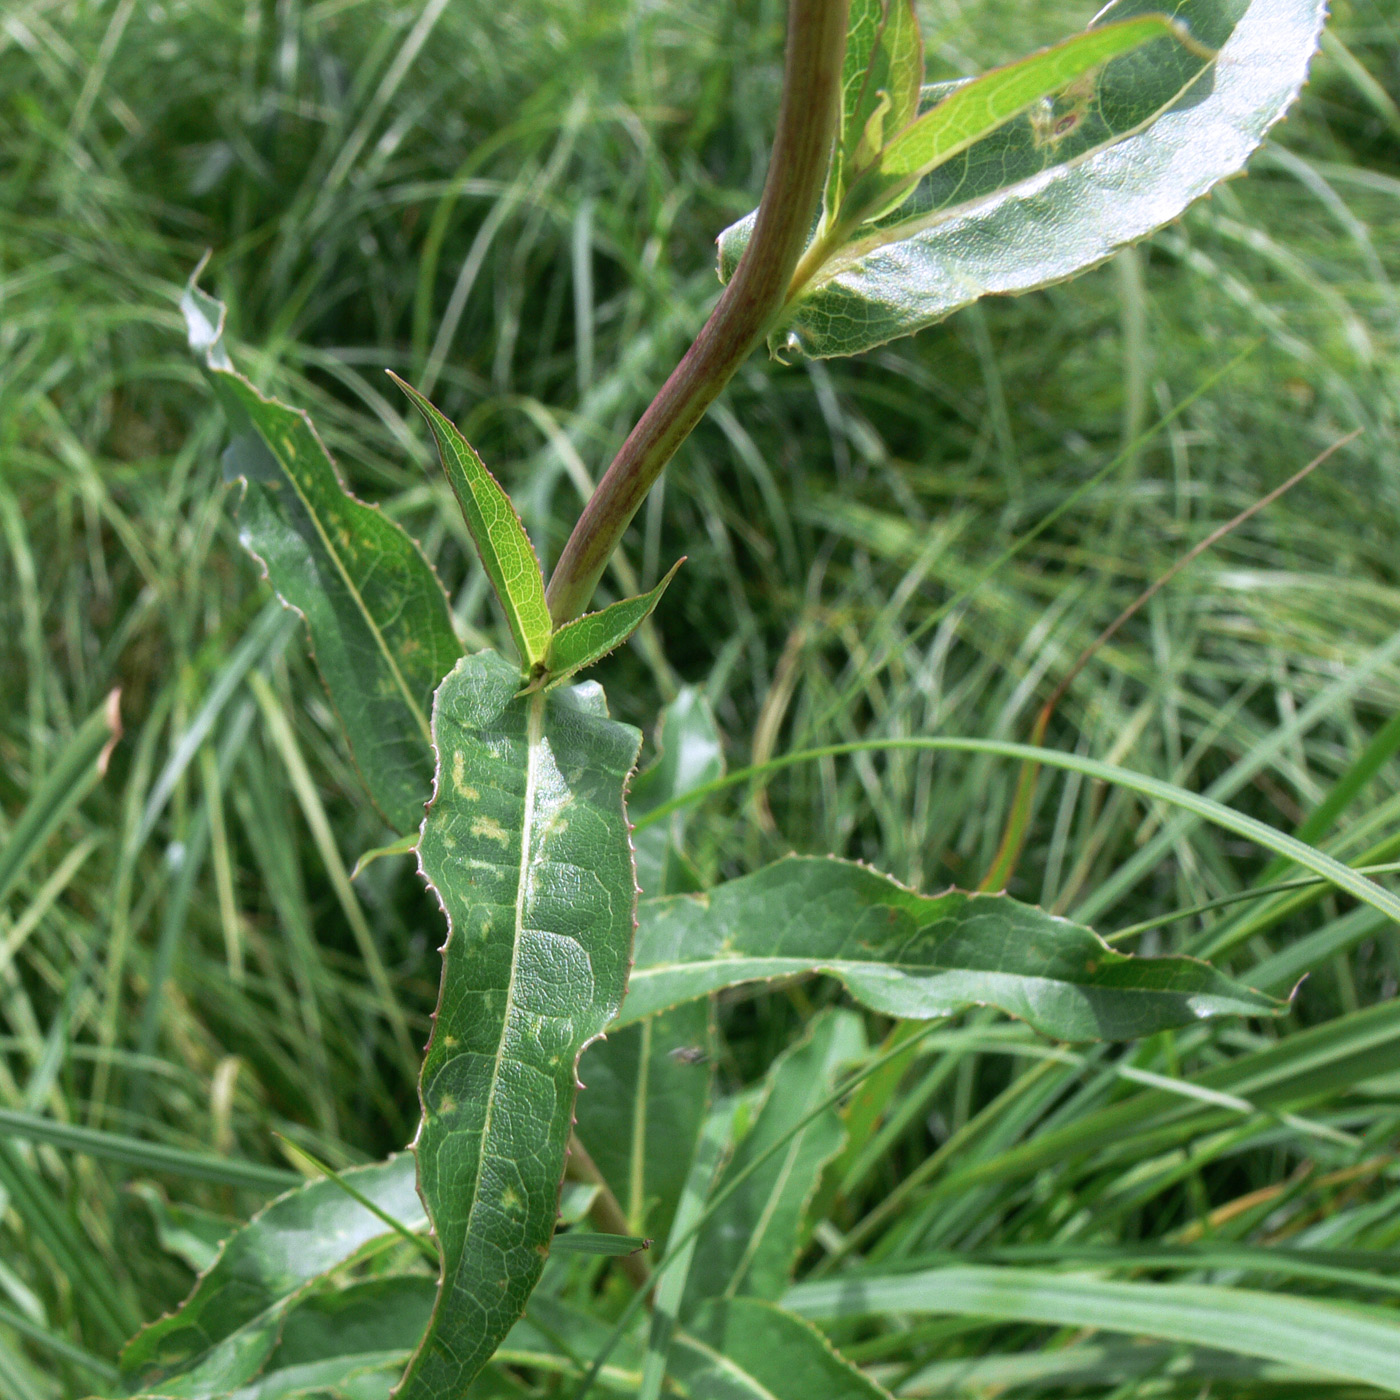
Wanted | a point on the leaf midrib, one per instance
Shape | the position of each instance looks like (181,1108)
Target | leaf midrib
(796,964)
(534,736)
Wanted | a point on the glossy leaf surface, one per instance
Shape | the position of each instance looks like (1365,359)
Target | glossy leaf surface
(1060,187)
(525,843)
(1323,1337)
(751,1241)
(917,956)
(750,1350)
(378,618)
(501,542)
(231,1320)
(589,638)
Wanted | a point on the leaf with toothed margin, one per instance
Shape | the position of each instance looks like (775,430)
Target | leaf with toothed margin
(525,844)
(378,617)
(590,638)
(225,1330)
(918,956)
(1064,185)
(501,542)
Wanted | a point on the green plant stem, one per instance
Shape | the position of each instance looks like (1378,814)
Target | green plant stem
(816,40)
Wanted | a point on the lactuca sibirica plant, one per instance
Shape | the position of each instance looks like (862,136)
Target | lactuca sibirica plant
(889,203)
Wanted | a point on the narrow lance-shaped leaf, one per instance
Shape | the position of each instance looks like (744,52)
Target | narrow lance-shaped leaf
(501,542)
(525,843)
(918,956)
(379,622)
(646,1092)
(1105,162)
(712,1147)
(578,644)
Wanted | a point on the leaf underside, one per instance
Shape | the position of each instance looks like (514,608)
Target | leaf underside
(525,844)
(917,956)
(380,626)
(1061,187)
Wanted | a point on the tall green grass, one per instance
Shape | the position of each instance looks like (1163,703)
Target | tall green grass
(513,206)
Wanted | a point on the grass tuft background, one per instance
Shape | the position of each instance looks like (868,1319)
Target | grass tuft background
(513,206)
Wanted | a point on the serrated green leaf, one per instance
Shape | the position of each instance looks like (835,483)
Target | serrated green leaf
(525,844)
(257,1275)
(1059,188)
(917,956)
(590,638)
(1323,1337)
(751,1241)
(379,622)
(336,1340)
(501,542)
(189,1233)
(750,1350)
(689,754)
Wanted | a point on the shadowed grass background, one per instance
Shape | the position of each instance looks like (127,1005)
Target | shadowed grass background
(514,207)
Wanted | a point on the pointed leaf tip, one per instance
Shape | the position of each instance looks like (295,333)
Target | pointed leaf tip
(501,542)
(590,638)
(378,619)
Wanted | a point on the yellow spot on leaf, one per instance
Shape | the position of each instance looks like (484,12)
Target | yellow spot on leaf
(491,829)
